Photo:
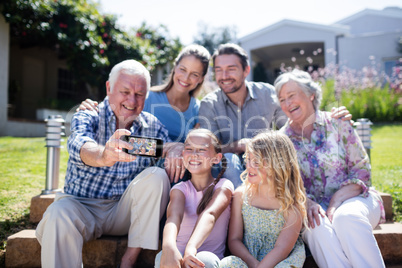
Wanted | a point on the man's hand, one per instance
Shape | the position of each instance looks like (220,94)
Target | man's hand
(341,113)
(237,147)
(95,155)
(88,104)
(172,152)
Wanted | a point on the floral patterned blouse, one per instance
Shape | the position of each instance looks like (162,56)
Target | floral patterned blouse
(334,157)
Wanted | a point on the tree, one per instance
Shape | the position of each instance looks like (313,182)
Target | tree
(212,37)
(90,42)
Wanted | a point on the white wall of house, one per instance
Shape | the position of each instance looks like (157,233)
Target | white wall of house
(4,54)
(374,21)
(356,51)
(288,31)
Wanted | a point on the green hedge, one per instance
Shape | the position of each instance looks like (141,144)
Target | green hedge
(377,104)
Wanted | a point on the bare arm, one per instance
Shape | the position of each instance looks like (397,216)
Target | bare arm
(237,147)
(235,237)
(344,193)
(96,155)
(205,223)
(172,151)
(171,257)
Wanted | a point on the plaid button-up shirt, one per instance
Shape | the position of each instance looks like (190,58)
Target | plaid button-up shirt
(105,182)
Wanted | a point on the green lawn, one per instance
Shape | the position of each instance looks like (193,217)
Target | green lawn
(23,175)
(386,154)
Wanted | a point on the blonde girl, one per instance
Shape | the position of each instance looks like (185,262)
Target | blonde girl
(198,212)
(268,210)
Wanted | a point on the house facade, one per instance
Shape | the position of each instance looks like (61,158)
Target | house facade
(354,42)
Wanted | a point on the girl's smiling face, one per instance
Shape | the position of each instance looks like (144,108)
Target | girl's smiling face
(199,153)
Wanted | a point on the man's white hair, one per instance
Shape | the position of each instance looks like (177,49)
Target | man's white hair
(130,67)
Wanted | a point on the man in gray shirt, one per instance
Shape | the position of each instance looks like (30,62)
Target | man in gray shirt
(238,109)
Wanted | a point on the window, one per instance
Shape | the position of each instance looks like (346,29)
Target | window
(65,88)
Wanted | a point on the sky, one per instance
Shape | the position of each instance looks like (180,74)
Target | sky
(184,17)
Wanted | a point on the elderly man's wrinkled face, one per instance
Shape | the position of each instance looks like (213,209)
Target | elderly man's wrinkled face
(127,97)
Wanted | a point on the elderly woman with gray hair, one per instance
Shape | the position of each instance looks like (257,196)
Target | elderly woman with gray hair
(342,209)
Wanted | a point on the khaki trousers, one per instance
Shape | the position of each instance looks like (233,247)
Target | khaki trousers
(71,221)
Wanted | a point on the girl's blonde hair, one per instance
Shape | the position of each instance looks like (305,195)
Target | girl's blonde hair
(274,152)
(217,146)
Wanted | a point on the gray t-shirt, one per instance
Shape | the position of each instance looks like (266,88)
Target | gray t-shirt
(229,123)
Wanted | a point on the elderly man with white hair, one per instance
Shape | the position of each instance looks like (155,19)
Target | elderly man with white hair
(107,191)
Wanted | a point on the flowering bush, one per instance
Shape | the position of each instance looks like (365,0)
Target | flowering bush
(367,93)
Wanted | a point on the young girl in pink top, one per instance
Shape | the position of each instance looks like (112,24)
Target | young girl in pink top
(198,212)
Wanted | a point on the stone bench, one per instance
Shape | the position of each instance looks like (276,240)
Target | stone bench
(23,250)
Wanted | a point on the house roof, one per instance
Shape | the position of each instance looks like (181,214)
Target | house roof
(389,12)
(336,29)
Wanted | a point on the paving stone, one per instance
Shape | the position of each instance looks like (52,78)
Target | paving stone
(39,205)
(389,239)
(23,250)
(387,200)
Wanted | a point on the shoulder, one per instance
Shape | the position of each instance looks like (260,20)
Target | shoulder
(88,116)
(285,129)
(239,193)
(262,90)
(148,117)
(225,184)
(211,102)
(213,96)
(182,186)
(293,218)
(195,103)
(150,125)
(155,96)
(264,87)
